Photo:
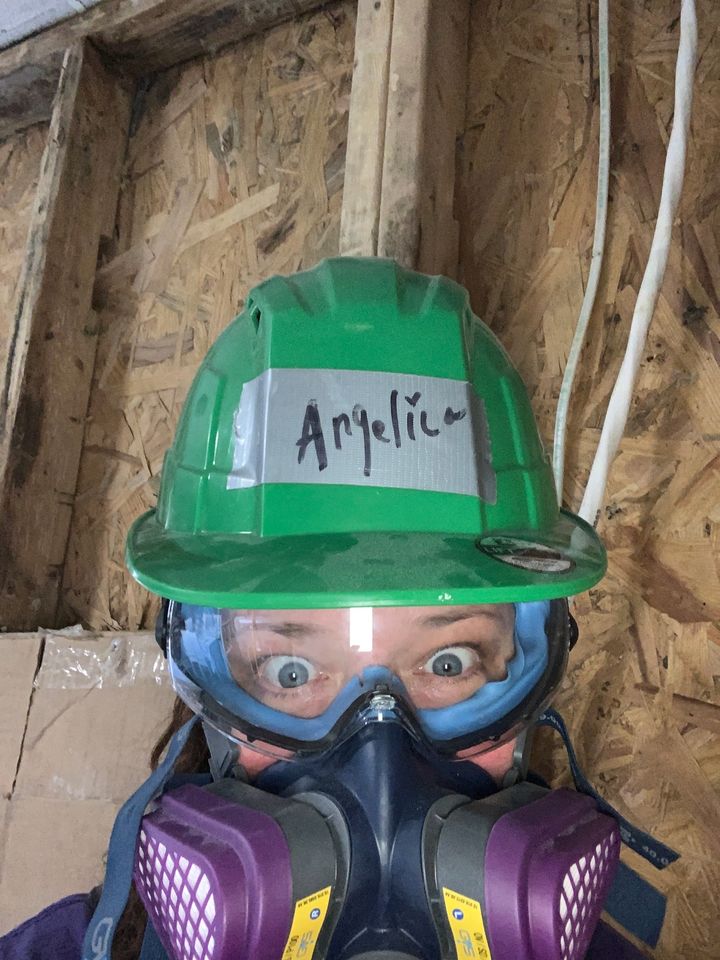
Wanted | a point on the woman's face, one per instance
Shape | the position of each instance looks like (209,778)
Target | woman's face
(298,661)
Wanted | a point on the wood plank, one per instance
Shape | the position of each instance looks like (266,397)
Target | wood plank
(444,121)
(20,160)
(366,129)
(411,61)
(140,35)
(403,162)
(45,384)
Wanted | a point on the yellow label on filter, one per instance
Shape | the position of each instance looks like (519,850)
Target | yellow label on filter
(307,923)
(466,923)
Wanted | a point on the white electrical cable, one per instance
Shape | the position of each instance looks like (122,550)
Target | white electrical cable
(601,205)
(621,398)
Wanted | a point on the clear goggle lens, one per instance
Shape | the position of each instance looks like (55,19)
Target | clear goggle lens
(297,679)
(299,661)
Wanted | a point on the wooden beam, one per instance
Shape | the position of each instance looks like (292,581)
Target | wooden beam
(403,161)
(142,36)
(45,387)
(366,129)
(411,62)
(443,125)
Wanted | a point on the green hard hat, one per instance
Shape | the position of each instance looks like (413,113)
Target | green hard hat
(358,437)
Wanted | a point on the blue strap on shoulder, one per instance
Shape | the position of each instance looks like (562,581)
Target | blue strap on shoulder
(97,944)
(652,850)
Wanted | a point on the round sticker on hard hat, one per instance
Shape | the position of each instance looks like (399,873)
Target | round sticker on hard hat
(526,554)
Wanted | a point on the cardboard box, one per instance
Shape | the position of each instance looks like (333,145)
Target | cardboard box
(19,655)
(79,714)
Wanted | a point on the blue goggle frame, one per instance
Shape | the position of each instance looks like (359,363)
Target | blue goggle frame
(201,675)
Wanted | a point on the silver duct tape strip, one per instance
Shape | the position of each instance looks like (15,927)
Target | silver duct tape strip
(362,428)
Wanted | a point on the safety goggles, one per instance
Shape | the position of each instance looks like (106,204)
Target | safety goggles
(462,679)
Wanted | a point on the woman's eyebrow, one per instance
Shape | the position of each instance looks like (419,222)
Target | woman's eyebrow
(290,629)
(449,617)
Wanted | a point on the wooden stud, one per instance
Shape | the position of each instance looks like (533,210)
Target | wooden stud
(402,177)
(366,129)
(45,384)
(400,170)
(443,124)
(20,161)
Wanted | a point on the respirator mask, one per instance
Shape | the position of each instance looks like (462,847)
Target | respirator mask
(376,833)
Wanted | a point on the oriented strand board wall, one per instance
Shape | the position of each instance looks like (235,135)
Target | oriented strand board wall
(20,159)
(234,171)
(642,693)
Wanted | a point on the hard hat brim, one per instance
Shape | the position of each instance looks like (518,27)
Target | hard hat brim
(365,569)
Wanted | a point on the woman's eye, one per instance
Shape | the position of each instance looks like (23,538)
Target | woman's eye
(288,672)
(451,662)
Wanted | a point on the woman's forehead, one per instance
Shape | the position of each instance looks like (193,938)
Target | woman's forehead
(430,617)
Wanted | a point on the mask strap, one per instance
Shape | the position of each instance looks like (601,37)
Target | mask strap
(97,944)
(652,850)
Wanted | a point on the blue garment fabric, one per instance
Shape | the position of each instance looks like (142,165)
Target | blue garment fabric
(54,934)
(57,934)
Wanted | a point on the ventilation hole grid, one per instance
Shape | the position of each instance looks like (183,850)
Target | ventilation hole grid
(179,896)
(583,892)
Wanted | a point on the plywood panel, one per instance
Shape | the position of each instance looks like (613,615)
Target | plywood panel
(234,172)
(20,159)
(642,694)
